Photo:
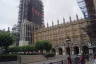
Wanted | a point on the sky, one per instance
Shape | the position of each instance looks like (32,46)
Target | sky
(53,10)
(58,9)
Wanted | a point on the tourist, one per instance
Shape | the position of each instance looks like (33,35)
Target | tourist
(76,59)
(82,60)
(94,61)
(69,60)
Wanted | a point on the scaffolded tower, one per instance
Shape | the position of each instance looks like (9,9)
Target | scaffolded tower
(32,10)
(83,8)
(30,15)
(88,8)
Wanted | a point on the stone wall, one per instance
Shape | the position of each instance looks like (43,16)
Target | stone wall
(25,59)
(10,62)
(57,35)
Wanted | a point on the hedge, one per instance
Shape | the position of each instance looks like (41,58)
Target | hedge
(8,57)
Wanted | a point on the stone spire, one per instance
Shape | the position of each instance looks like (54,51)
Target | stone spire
(77,18)
(58,22)
(70,19)
(52,23)
(63,20)
(8,29)
(47,25)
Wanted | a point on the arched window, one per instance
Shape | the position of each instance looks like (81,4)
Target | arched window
(76,50)
(60,51)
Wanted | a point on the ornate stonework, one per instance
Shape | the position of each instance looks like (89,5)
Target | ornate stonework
(57,34)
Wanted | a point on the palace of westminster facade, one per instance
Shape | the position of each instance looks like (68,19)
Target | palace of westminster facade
(58,34)
(74,34)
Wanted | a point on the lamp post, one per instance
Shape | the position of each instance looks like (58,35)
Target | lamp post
(68,50)
(68,43)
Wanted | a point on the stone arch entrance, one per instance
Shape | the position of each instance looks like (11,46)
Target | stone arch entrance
(68,50)
(85,50)
(53,51)
(60,51)
(76,50)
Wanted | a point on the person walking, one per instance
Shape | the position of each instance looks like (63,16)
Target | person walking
(76,59)
(82,60)
(69,60)
(94,61)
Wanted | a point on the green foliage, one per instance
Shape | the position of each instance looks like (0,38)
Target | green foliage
(39,45)
(47,45)
(6,39)
(8,57)
(27,48)
(14,49)
(22,49)
(43,45)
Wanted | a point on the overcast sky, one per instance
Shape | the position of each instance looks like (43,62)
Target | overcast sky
(53,10)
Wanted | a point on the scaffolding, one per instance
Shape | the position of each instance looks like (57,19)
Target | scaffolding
(88,8)
(83,8)
(30,13)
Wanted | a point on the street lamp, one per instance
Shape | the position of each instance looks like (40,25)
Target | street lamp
(68,43)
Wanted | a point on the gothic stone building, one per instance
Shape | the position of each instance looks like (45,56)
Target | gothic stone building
(71,34)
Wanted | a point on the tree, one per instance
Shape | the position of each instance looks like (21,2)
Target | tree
(47,45)
(43,45)
(39,46)
(6,39)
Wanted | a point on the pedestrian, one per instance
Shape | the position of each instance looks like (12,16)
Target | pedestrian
(82,60)
(76,59)
(69,60)
(94,61)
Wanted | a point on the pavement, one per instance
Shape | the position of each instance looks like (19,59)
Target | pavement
(58,60)
(9,62)
(55,60)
